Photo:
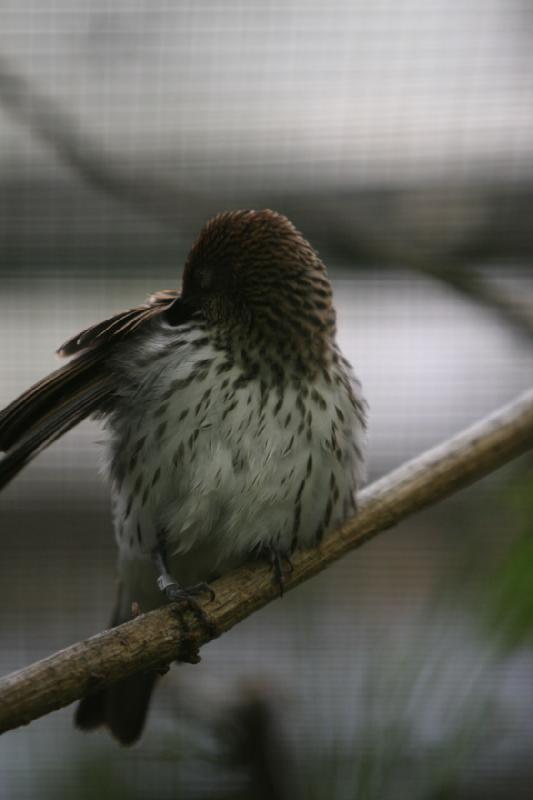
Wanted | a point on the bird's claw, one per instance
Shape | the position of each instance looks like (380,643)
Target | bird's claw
(177,593)
(186,597)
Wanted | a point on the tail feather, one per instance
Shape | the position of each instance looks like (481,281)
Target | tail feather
(122,707)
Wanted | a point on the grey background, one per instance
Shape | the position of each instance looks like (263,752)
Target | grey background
(398,137)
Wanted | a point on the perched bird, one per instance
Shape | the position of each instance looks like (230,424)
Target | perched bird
(235,425)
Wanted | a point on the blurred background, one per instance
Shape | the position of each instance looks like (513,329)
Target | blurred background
(398,136)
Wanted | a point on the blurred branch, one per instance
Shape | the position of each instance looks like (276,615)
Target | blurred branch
(152,641)
(52,125)
(367,239)
(470,283)
(381,239)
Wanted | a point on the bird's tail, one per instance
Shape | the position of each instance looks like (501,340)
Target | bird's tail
(122,707)
(49,409)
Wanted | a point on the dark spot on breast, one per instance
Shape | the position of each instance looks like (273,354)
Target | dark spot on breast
(161,428)
(161,410)
(317,398)
(297,518)
(300,490)
(128,507)
(183,414)
(289,446)
(138,484)
(327,515)
(203,365)
(178,455)
(224,367)
(201,342)
(229,409)
(138,445)
(157,475)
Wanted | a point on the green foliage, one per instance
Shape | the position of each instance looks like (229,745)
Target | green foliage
(510,593)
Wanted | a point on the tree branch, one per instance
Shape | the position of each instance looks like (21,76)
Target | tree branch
(357,236)
(52,125)
(470,283)
(152,641)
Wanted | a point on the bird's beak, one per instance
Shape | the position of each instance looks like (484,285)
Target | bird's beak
(180,311)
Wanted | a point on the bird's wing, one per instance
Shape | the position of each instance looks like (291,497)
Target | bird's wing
(119,325)
(60,401)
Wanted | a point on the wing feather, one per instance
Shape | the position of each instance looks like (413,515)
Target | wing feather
(119,324)
(55,404)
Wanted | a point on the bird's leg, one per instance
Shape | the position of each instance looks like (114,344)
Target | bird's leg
(277,558)
(171,588)
(186,596)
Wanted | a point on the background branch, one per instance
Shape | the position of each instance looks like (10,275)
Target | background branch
(383,240)
(152,641)
(368,238)
(56,128)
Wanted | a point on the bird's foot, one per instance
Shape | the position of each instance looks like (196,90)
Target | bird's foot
(186,598)
(176,593)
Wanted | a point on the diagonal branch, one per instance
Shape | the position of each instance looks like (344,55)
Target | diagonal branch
(471,283)
(360,239)
(160,199)
(51,124)
(152,641)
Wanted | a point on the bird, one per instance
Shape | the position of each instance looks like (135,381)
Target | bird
(235,427)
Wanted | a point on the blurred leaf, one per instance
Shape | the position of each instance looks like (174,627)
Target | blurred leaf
(510,595)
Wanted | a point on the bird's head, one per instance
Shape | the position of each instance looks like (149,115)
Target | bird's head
(252,274)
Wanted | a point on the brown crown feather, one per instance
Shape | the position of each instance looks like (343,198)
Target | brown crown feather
(255,271)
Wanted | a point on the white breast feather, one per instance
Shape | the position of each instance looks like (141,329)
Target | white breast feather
(220,471)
